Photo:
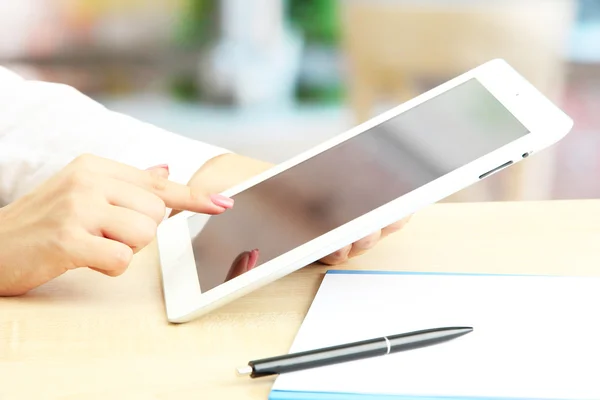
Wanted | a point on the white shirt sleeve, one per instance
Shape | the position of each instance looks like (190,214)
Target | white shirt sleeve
(43,126)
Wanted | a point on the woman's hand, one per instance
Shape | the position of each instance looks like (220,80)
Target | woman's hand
(95,213)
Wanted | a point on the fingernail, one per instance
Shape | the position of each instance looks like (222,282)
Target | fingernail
(163,166)
(253,259)
(222,201)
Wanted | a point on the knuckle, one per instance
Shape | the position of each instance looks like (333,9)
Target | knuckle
(64,237)
(121,258)
(79,179)
(158,182)
(72,205)
(120,262)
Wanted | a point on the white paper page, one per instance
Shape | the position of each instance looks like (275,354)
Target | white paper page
(533,337)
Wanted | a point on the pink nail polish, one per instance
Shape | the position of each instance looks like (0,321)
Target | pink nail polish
(163,166)
(222,201)
(253,259)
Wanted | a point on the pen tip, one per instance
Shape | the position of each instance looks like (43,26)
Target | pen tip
(245,370)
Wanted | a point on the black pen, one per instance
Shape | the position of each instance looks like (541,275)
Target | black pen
(350,351)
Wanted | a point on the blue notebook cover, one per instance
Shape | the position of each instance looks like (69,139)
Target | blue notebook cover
(534,338)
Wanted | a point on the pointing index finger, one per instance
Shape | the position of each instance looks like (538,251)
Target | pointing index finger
(183,197)
(175,195)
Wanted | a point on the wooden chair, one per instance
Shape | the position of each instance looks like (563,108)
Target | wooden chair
(391,46)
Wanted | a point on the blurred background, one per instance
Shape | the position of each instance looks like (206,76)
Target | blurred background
(271,78)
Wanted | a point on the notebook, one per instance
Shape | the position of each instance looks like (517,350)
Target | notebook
(534,337)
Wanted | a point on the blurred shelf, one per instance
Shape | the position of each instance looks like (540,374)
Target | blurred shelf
(95,58)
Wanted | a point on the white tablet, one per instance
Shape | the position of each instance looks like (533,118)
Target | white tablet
(354,184)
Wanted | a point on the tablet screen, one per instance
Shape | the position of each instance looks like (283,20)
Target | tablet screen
(350,180)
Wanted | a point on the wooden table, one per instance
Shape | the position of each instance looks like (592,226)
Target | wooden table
(86,336)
